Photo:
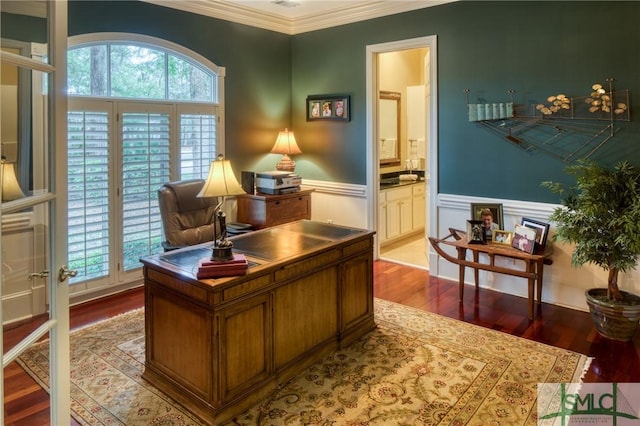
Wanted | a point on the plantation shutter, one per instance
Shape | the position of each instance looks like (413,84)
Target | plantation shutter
(197,145)
(88,193)
(145,167)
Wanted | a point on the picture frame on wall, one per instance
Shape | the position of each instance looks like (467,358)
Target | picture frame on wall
(541,228)
(329,107)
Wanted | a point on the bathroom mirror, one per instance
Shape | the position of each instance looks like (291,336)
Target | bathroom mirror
(389,128)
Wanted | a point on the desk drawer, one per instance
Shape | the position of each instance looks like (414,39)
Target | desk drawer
(288,209)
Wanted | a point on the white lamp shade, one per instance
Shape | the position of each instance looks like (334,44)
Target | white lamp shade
(221,181)
(10,187)
(286,144)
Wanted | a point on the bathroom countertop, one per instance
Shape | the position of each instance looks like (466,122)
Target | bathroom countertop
(389,183)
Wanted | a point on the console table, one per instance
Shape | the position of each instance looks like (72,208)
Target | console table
(533,264)
(219,346)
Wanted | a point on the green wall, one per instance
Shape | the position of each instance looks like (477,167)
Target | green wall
(536,49)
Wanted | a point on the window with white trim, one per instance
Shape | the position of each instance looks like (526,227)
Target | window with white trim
(140,114)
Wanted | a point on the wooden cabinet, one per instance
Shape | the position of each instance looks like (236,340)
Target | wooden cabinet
(401,212)
(308,292)
(263,210)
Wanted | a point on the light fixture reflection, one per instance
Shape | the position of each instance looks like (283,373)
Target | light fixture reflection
(10,187)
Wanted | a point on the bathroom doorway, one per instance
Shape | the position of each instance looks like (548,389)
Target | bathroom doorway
(402,172)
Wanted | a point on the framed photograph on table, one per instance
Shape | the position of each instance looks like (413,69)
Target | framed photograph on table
(502,237)
(475,232)
(328,107)
(490,215)
(524,239)
(541,228)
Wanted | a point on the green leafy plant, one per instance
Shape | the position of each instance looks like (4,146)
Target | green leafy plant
(601,216)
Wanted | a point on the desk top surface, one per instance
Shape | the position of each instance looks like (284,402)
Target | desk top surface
(267,245)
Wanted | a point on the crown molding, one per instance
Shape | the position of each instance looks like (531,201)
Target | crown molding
(269,21)
(25,7)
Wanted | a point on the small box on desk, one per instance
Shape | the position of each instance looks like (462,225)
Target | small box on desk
(228,268)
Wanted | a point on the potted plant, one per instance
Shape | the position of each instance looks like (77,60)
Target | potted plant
(601,216)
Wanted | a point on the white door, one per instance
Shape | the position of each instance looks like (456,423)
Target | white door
(33,207)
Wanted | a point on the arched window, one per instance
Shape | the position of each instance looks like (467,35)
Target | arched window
(142,112)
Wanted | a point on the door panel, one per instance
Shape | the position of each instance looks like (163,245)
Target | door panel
(32,251)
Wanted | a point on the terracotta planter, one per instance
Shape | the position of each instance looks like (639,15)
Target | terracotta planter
(612,320)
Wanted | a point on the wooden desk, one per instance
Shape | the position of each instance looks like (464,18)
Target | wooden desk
(533,264)
(219,346)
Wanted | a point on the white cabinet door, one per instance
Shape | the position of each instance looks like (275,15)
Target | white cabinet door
(382,218)
(398,211)
(418,203)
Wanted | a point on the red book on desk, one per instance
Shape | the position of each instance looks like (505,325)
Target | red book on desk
(228,268)
(238,259)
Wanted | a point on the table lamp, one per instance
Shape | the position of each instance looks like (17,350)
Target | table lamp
(10,187)
(285,145)
(221,182)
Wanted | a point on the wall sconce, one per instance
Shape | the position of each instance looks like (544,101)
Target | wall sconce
(10,187)
(286,145)
(221,182)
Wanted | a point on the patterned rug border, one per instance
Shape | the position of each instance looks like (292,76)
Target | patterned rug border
(579,374)
(384,321)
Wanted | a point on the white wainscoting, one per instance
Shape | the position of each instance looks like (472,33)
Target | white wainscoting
(338,203)
(22,242)
(564,285)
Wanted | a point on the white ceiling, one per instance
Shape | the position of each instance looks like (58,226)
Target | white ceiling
(297,16)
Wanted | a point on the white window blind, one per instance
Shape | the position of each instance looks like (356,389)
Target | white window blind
(145,167)
(197,145)
(88,192)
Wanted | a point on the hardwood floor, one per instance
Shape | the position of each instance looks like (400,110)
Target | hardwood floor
(27,404)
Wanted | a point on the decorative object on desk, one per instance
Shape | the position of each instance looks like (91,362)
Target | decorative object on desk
(542,231)
(407,347)
(524,239)
(10,187)
(475,232)
(328,107)
(600,214)
(221,182)
(286,145)
(502,237)
(235,266)
(490,215)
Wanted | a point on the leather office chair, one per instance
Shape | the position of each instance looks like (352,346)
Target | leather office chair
(186,218)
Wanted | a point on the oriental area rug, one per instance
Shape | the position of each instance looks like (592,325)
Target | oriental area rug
(416,368)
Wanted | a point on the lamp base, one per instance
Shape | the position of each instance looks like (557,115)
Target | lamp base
(222,254)
(286,164)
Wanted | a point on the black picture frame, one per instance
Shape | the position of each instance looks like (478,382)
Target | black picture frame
(328,107)
(475,232)
(541,228)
